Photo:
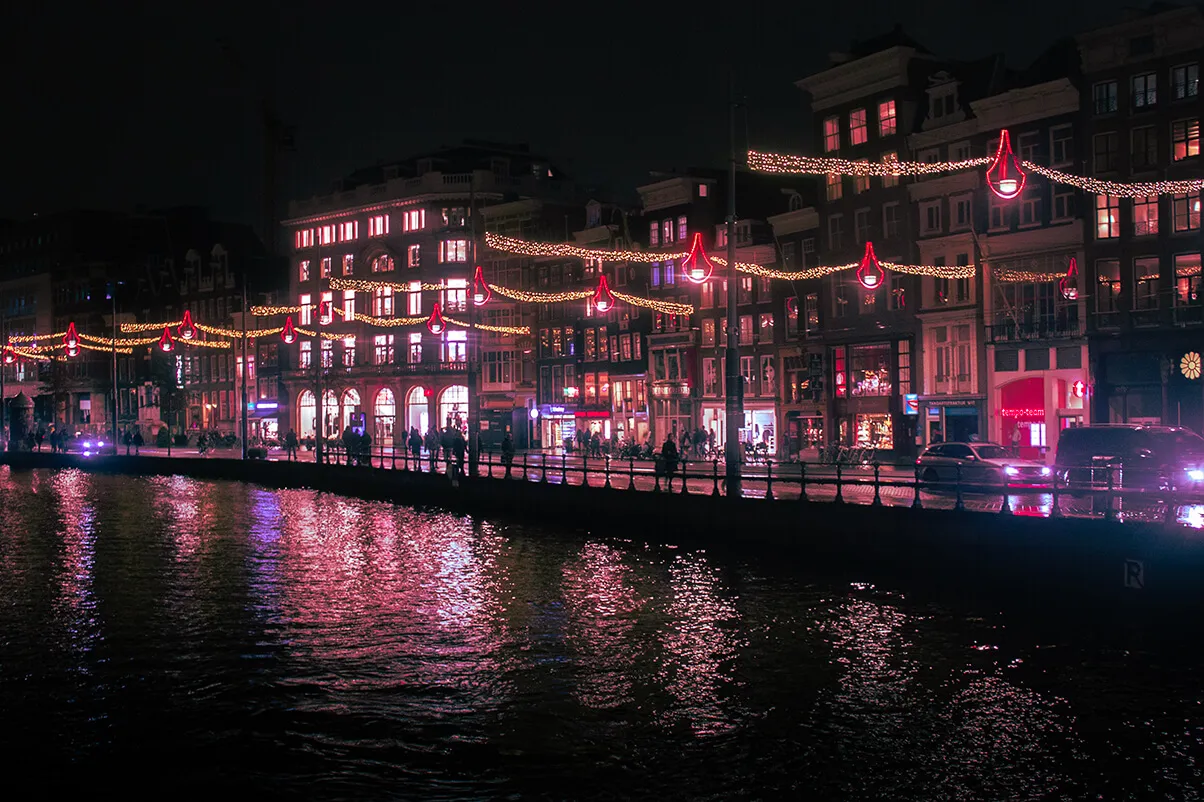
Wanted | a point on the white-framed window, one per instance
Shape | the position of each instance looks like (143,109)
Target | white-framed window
(1061,144)
(348,304)
(453,251)
(413,256)
(382,264)
(930,155)
(859,132)
(887,121)
(861,183)
(930,217)
(959,151)
(414,356)
(710,380)
(413,220)
(455,294)
(348,352)
(304,238)
(1031,200)
(683,228)
(303,270)
(326,266)
(326,308)
(1187,212)
(890,220)
(1187,278)
(835,231)
(327,353)
(1107,217)
(861,225)
(1027,145)
(1145,282)
(999,212)
(378,225)
(349,231)
(654,233)
(667,231)
(831,135)
(382,302)
(890,180)
(1145,90)
(414,299)
(348,264)
(1106,151)
(708,331)
(1143,150)
(1145,216)
(835,186)
(1185,139)
(306,315)
(327,234)
(941,105)
(382,349)
(961,213)
(1185,81)
(1104,97)
(454,346)
(1063,202)
(306,354)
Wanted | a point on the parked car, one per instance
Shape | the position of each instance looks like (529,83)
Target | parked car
(982,464)
(1136,457)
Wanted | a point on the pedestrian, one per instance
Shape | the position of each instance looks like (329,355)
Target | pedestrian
(365,447)
(507,450)
(137,442)
(128,439)
(458,447)
(447,440)
(415,445)
(350,443)
(290,445)
(41,435)
(432,446)
(669,457)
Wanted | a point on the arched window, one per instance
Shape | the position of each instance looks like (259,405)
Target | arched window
(330,414)
(351,402)
(382,264)
(418,414)
(384,413)
(453,407)
(307,414)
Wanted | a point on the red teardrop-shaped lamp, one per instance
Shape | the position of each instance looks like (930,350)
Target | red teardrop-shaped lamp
(792,305)
(870,274)
(480,290)
(697,266)
(1069,285)
(288,333)
(1005,176)
(71,339)
(604,299)
(73,350)
(10,356)
(187,329)
(166,344)
(435,321)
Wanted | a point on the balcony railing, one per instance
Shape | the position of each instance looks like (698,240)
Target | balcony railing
(1039,330)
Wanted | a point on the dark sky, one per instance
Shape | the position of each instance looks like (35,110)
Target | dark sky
(110,110)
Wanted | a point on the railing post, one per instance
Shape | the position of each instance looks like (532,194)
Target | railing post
(584,469)
(960,504)
(802,483)
(915,500)
(656,487)
(543,469)
(684,482)
(1108,512)
(769,479)
(1006,509)
(877,502)
(607,485)
(392,456)
(1055,510)
(564,472)
(631,473)
(509,463)
(839,487)
(715,477)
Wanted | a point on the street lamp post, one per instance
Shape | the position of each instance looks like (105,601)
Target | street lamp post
(733,379)
(113,344)
(245,371)
(473,344)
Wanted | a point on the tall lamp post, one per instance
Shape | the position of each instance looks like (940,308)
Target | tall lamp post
(116,403)
(473,344)
(733,379)
(245,371)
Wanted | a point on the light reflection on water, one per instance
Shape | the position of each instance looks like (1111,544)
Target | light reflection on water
(320,647)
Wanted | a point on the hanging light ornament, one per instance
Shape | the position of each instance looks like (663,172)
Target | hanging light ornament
(1069,285)
(604,299)
(792,305)
(870,274)
(325,312)
(10,356)
(166,345)
(71,340)
(480,290)
(1005,176)
(435,321)
(288,333)
(697,265)
(187,329)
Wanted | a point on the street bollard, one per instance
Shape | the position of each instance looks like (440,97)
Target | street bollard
(656,487)
(543,470)
(564,475)
(839,487)
(960,504)
(584,469)
(877,488)
(685,490)
(769,479)
(715,476)
(802,483)
(915,499)
(1006,509)
(631,473)
(607,485)
(1055,509)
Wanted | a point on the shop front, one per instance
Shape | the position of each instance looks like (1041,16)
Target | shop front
(953,419)
(557,424)
(593,421)
(263,422)
(758,434)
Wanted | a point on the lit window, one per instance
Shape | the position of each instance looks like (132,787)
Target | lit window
(413,220)
(348,352)
(1187,279)
(307,354)
(1187,211)
(326,308)
(382,264)
(861,183)
(414,299)
(327,353)
(303,270)
(858,130)
(348,304)
(702,190)
(654,233)
(667,232)
(378,225)
(413,255)
(327,265)
(415,354)
(835,186)
(831,134)
(326,234)
(348,232)
(348,264)
(1107,217)
(454,346)
(455,295)
(453,250)
(890,156)
(305,238)
(382,302)
(887,122)
(306,302)
(383,349)
(1185,139)
(1145,216)
(682,228)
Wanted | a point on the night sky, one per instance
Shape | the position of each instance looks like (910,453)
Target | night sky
(110,111)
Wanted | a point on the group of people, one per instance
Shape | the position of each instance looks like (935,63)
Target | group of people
(700,444)
(134,439)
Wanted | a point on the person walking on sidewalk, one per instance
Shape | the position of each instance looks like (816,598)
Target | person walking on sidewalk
(290,445)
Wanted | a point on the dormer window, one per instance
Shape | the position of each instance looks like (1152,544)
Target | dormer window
(796,202)
(942,105)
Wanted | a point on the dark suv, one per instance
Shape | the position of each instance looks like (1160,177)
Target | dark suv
(1137,457)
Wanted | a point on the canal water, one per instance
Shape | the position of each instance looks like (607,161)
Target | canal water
(181,638)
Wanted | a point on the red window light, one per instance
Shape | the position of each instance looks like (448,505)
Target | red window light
(10,356)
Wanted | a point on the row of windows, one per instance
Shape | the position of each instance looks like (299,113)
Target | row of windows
(888,125)
(1143,146)
(1146,285)
(1144,218)
(452,298)
(453,347)
(665,232)
(378,226)
(1143,89)
(861,183)
(450,252)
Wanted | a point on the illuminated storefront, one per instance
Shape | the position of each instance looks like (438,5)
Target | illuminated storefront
(867,382)
(557,424)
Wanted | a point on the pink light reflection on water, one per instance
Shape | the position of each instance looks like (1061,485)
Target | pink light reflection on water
(76,600)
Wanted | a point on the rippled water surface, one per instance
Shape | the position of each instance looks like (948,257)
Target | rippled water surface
(198,637)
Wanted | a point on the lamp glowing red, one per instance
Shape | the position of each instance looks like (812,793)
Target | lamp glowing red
(166,344)
(480,290)
(435,321)
(870,274)
(1069,285)
(187,329)
(792,305)
(288,333)
(71,339)
(1005,176)
(10,356)
(325,312)
(604,299)
(697,265)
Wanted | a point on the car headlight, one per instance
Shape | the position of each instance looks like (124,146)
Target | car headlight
(87,445)
(1046,471)
(1010,471)
(100,443)
(1196,475)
